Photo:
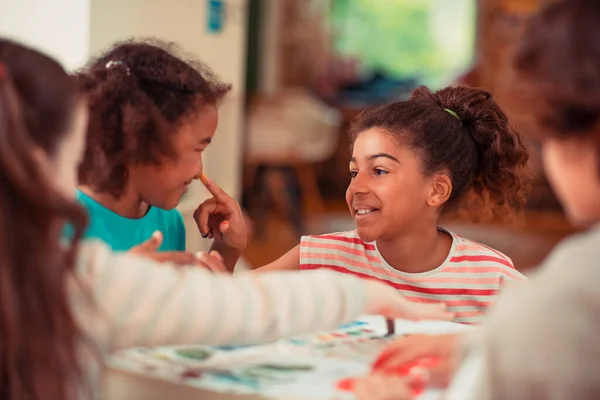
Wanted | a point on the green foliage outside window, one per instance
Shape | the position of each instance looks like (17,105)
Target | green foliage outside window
(430,40)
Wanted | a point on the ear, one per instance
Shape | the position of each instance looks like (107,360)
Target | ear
(441,189)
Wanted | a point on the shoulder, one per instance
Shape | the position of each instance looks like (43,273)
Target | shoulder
(347,239)
(562,303)
(86,202)
(96,215)
(81,197)
(579,252)
(167,218)
(89,203)
(467,252)
(471,250)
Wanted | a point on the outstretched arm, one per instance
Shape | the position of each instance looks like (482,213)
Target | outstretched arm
(288,262)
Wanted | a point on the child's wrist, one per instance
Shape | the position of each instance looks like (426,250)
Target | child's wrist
(226,249)
(230,255)
(238,246)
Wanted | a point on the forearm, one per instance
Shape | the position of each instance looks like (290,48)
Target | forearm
(172,305)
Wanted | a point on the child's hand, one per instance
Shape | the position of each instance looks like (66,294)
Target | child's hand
(149,249)
(212,261)
(383,300)
(221,217)
(405,351)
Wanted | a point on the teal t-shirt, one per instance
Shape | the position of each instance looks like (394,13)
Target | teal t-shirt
(122,233)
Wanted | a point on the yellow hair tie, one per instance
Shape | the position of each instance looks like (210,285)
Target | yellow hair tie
(455,115)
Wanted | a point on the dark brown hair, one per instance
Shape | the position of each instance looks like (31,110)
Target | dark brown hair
(485,157)
(139,92)
(557,70)
(40,338)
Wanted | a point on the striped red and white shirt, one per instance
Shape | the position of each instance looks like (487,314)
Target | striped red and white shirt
(468,281)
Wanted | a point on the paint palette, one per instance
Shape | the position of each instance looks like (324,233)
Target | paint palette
(351,335)
(259,370)
(356,331)
(305,367)
(178,359)
(359,340)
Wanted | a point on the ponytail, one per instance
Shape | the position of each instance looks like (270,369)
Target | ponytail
(500,180)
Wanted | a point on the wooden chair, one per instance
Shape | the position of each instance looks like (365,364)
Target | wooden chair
(288,135)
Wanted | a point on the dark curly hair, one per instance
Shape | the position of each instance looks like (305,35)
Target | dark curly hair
(557,68)
(139,92)
(485,157)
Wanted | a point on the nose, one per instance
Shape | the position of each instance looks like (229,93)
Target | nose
(359,184)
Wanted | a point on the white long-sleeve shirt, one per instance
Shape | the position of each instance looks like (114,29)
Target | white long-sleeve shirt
(137,302)
(123,300)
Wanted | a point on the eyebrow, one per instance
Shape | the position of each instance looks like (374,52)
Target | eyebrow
(378,155)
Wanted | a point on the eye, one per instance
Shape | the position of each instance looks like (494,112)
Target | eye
(353,174)
(379,171)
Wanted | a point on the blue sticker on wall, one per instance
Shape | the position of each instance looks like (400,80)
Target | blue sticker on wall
(215,15)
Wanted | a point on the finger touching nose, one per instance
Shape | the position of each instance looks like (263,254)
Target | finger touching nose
(199,171)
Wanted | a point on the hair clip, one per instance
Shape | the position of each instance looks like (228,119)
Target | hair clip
(120,63)
(455,115)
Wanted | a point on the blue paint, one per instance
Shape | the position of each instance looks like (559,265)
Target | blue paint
(234,378)
(353,324)
(215,15)
(299,342)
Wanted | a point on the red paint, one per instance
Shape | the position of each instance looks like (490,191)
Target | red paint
(346,385)
(190,374)
(416,372)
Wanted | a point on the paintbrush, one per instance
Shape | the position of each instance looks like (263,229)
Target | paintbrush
(390,326)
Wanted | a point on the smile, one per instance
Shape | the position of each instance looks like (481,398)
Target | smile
(364,213)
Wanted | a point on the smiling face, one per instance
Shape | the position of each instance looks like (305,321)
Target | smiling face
(163,185)
(388,193)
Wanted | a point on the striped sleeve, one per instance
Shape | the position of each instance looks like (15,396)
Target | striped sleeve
(140,303)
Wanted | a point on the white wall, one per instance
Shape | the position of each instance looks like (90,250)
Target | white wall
(57,27)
